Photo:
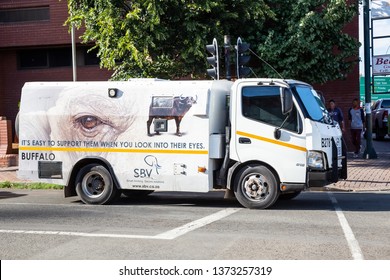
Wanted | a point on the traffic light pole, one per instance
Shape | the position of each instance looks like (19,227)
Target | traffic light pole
(369,152)
(213,60)
(242,59)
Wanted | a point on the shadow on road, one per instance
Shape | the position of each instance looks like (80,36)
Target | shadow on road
(5,194)
(212,199)
(347,201)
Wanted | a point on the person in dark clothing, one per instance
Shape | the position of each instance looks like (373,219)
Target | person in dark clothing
(336,114)
(356,116)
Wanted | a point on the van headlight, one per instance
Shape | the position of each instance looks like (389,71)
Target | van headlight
(315,160)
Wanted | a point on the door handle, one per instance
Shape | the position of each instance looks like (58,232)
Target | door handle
(244,140)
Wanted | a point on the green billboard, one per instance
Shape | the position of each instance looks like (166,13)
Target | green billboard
(381,88)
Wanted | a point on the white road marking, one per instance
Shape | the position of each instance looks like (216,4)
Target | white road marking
(174,233)
(168,235)
(353,244)
(79,234)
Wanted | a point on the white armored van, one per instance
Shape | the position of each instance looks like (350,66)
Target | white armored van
(259,138)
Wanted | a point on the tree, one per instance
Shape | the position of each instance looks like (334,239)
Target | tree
(160,38)
(167,38)
(306,40)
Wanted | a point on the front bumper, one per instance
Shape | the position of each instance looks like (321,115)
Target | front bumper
(320,179)
(323,178)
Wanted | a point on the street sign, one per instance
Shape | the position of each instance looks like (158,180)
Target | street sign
(381,88)
(381,64)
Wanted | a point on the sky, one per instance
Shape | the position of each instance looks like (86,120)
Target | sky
(381,27)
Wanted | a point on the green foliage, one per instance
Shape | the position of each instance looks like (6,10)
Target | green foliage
(306,41)
(166,38)
(161,38)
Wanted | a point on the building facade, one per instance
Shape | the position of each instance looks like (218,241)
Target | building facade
(35,45)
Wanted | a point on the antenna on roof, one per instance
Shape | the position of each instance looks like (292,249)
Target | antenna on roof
(269,65)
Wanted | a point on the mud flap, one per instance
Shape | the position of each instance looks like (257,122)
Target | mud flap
(335,169)
(344,169)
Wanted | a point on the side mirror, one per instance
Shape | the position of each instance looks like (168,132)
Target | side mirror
(287,106)
(286,100)
(277,133)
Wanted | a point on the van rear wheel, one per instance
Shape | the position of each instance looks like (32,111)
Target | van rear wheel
(94,185)
(256,187)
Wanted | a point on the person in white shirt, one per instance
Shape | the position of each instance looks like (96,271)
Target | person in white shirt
(356,116)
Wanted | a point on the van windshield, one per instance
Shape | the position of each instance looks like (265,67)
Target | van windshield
(315,108)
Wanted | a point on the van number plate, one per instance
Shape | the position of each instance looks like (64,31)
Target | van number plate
(327,143)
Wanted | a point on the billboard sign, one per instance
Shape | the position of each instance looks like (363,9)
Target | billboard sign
(381,88)
(381,64)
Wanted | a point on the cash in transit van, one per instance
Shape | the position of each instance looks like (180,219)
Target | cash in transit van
(258,138)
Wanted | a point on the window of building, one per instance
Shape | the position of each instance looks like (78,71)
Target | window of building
(44,58)
(60,57)
(90,57)
(263,104)
(24,14)
(33,59)
(55,57)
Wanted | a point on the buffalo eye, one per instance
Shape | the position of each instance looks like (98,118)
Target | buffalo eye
(89,122)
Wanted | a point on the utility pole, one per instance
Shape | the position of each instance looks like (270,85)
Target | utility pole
(369,152)
(74,62)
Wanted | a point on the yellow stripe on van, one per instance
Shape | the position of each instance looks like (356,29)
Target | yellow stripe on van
(273,141)
(111,150)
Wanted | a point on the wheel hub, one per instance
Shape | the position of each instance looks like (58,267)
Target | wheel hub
(256,187)
(94,185)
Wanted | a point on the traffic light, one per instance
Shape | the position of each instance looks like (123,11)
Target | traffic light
(242,59)
(213,60)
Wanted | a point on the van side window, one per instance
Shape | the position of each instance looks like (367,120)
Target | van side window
(262,103)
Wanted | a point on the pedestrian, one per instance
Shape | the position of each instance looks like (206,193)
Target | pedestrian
(356,116)
(336,114)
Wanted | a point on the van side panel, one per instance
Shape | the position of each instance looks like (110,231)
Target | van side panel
(153,134)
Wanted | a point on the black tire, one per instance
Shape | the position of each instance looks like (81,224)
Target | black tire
(288,196)
(136,193)
(256,187)
(94,185)
(379,133)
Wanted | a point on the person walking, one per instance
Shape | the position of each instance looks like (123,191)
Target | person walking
(356,116)
(336,114)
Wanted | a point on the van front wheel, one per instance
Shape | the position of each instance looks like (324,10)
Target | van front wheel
(256,187)
(94,185)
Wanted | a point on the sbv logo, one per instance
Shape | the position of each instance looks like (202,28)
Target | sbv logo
(150,161)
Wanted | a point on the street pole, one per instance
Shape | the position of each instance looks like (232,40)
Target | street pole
(74,63)
(369,152)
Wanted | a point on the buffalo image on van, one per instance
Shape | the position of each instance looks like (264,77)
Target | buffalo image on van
(164,108)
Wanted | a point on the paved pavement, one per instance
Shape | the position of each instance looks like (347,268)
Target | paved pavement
(363,174)
(368,174)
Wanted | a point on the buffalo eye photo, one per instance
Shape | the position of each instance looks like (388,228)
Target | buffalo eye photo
(94,118)
(90,125)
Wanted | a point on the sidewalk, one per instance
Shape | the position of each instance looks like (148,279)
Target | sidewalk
(363,174)
(8,174)
(368,174)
